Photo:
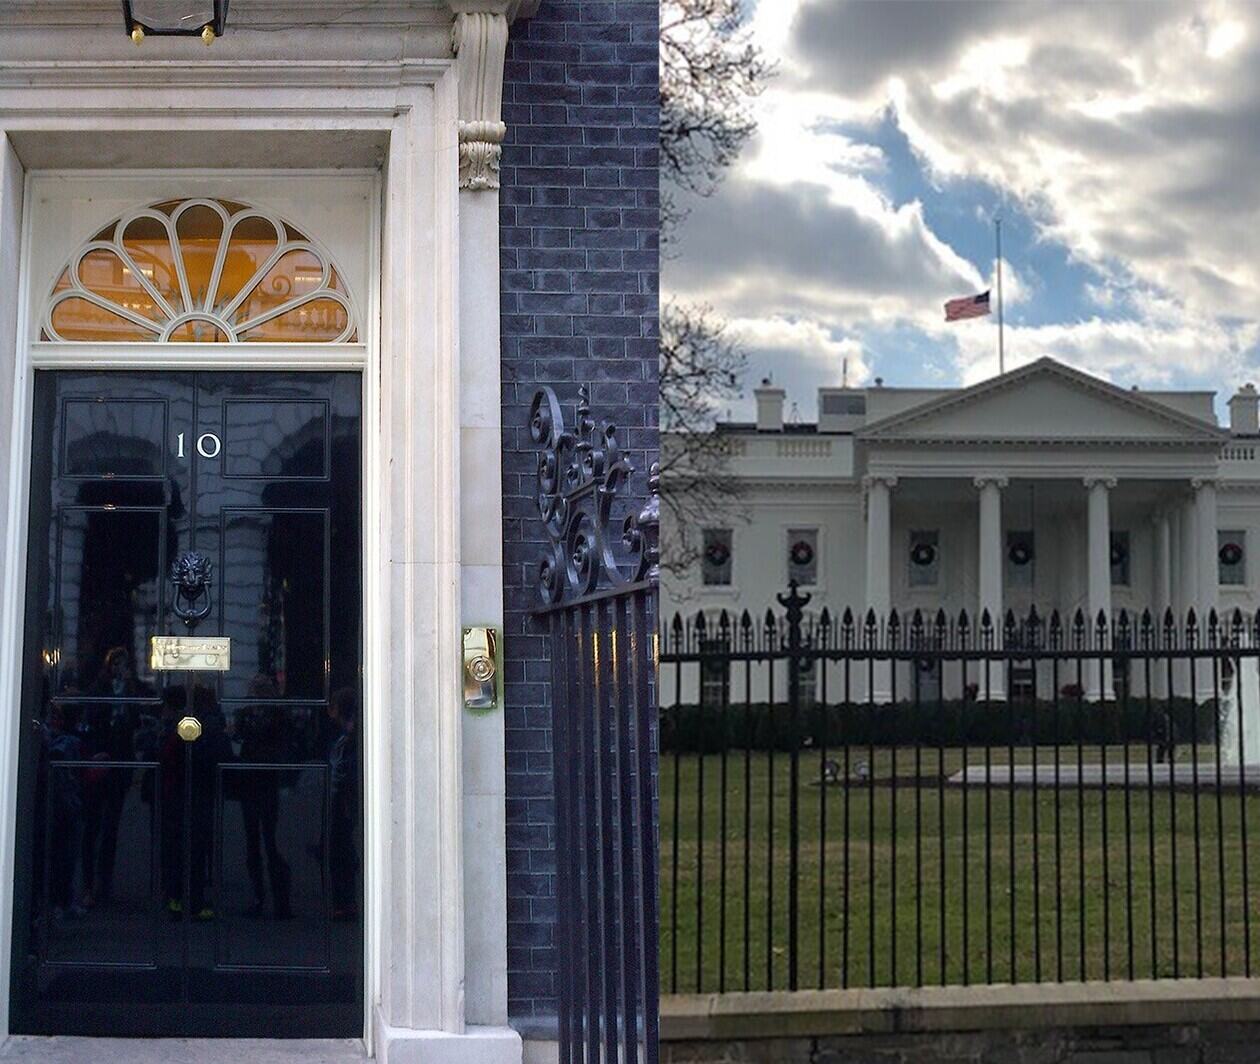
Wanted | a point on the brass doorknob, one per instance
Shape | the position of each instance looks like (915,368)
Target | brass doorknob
(189,729)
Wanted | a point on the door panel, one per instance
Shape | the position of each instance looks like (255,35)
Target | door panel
(276,605)
(160,879)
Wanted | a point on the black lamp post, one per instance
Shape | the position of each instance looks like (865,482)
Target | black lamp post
(175,18)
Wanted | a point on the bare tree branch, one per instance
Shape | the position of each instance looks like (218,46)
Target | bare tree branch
(701,367)
(710,72)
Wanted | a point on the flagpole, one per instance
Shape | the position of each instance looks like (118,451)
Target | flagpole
(997,227)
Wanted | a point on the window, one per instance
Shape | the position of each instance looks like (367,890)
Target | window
(715,558)
(925,558)
(1120,559)
(715,676)
(199,271)
(807,680)
(1021,553)
(1231,556)
(802,546)
(833,403)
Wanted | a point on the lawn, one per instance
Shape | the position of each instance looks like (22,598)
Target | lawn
(904,880)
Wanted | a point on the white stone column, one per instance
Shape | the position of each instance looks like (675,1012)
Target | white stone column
(991,564)
(1098,575)
(1185,586)
(1187,565)
(12,564)
(441,949)
(1207,576)
(1206,562)
(1161,583)
(1174,559)
(879,567)
(1161,588)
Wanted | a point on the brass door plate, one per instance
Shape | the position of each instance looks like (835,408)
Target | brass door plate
(190,653)
(481,668)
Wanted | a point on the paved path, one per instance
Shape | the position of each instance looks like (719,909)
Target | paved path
(23,1050)
(1091,775)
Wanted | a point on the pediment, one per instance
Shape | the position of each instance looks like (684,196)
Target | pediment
(1044,401)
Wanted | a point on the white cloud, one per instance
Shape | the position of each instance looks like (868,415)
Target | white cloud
(803,340)
(1128,132)
(1149,352)
(765,250)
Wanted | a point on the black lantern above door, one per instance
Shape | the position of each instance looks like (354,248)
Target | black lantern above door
(175,18)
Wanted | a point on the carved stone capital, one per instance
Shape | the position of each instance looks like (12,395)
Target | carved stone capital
(997,482)
(479,41)
(888,480)
(1106,482)
(1203,482)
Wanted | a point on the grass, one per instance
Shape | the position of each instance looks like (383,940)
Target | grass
(905,881)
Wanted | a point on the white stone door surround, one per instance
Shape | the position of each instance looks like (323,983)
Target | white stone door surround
(410,88)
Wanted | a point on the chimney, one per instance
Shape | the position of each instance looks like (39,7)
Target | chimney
(1244,412)
(769,407)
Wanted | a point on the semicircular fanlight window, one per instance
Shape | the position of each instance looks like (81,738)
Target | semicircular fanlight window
(200,271)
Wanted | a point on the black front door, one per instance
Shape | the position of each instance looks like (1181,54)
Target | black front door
(189,841)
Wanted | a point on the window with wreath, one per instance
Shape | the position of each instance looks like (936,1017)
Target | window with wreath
(1120,559)
(716,557)
(1231,557)
(199,271)
(802,550)
(925,557)
(1021,554)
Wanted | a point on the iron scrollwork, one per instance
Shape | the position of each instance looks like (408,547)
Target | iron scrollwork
(581,474)
(190,573)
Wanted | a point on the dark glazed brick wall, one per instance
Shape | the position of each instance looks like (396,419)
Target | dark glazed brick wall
(579,304)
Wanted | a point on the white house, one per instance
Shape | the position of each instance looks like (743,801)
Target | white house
(1045,486)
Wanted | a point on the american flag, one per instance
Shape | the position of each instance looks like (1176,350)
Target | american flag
(967,307)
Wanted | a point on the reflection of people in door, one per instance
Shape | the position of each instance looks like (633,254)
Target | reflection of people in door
(343,765)
(65,806)
(262,734)
(170,793)
(202,757)
(212,749)
(109,735)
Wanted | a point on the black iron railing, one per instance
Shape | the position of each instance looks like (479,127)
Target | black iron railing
(597,581)
(858,801)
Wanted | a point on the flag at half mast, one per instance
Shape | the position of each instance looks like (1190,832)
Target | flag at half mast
(967,307)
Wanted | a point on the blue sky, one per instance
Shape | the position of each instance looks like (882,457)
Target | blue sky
(1116,144)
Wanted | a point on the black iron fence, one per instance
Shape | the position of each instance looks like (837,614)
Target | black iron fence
(597,580)
(859,801)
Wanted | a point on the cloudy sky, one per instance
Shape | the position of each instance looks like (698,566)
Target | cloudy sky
(1120,143)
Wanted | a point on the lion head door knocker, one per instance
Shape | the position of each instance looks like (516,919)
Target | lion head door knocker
(190,573)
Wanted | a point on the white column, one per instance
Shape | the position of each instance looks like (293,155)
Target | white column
(1161,587)
(482,735)
(1098,573)
(879,544)
(1206,563)
(879,567)
(12,563)
(1174,555)
(1187,565)
(1185,583)
(1161,584)
(991,564)
(1207,576)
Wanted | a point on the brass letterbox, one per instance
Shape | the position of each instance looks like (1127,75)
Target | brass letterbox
(190,653)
